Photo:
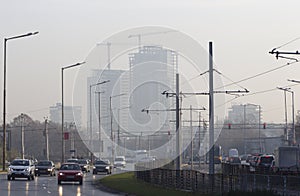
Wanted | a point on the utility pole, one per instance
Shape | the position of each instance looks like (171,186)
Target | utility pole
(46,139)
(191,126)
(244,127)
(199,137)
(211,110)
(99,122)
(285,113)
(22,136)
(178,134)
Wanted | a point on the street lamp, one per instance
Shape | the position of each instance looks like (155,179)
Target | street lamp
(4,92)
(62,108)
(293,129)
(111,124)
(259,124)
(91,122)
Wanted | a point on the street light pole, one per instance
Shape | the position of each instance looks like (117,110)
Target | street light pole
(4,94)
(286,127)
(91,121)
(111,125)
(62,108)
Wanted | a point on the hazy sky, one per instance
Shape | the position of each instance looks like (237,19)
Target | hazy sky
(243,33)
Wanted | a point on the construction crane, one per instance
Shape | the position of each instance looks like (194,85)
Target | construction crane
(108,45)
(139,36)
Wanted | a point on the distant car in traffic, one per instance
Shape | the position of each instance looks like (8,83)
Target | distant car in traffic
(45,167)
(265,161)
(234,160)
(102,166)
(120,161)
(21,168)
(84,164)
(72,160)
(70,172)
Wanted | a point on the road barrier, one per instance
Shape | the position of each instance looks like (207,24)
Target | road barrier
(195,181)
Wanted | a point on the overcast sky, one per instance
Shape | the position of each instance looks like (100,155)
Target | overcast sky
(243,33)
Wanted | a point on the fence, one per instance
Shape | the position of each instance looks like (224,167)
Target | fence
(195,181)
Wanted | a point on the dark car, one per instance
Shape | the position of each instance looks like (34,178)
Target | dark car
(84,164)
(234,160)
(265,161)
(70,172)
(45,167)
(102,166)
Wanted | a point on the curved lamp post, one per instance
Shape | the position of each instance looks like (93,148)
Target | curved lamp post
(62,108)
(4,92)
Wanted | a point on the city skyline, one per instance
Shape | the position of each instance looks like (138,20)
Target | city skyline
(242,38)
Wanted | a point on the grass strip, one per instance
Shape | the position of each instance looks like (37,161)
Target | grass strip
(127,183)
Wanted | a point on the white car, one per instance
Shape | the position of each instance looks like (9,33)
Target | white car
(120,161)
(21,168)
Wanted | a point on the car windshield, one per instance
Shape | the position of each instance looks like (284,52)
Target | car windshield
(70,167)
(72,161)
(119,159)
(100,163)
(20,162)
(82,161)
(44,163)
(266,159)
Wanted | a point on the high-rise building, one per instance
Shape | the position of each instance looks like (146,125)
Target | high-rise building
(245,114)
(72,114)
(152,71)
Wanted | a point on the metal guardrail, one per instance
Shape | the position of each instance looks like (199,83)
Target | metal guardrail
(195,181)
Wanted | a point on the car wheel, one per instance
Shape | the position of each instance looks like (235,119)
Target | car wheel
(80,182)
(29,178)
(13,178)
(58,182)
(8,177)
(35,174)
(32,177)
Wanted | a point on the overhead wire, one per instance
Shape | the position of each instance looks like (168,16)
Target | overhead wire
(287,43)
(260,74)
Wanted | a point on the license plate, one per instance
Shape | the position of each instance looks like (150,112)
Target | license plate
(70,177)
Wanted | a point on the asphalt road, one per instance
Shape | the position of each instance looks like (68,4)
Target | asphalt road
(46,185)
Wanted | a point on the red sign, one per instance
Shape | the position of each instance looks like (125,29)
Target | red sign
(66,135)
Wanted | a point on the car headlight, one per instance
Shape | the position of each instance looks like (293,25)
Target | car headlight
(10,169)
(27,169)
(61,174)
(107,167)
(49,169)
(36,169)
(79,174)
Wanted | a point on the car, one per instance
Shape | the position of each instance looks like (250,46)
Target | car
(72,160)
(147,159)
(21,168)
(120,161)
(234,160)
(45,167)
(265,161)
(70,172)
(84,164)
(102,166)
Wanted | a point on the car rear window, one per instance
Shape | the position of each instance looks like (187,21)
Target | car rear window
(44,163)
(268,159)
